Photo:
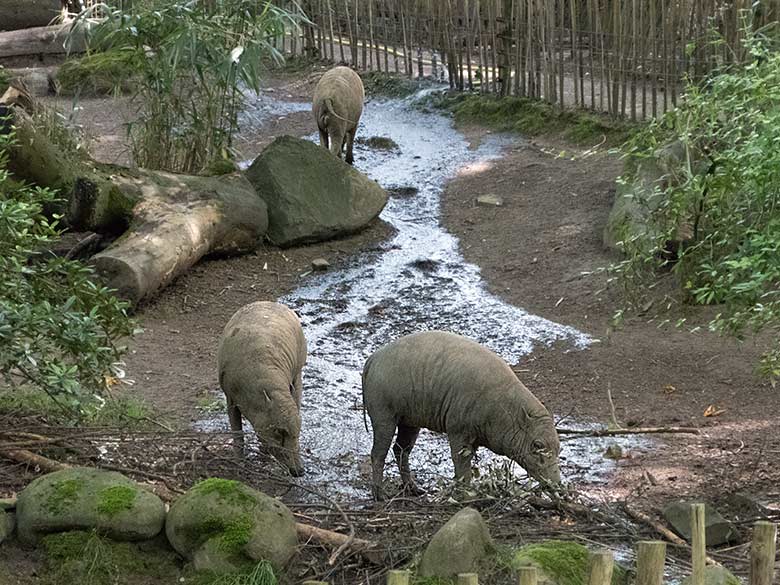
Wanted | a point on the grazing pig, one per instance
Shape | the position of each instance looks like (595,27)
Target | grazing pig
(450,384)
(261,354)
(337,107)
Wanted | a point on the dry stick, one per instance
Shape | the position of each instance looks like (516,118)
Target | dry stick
(698,544)
(663,530)
(30,458)
(527,576)
(762,553)
(650,560)
(366,548)
(635,431)
(602,564)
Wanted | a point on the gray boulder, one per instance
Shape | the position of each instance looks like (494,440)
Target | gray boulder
(312,195)
(714,575)
(6,524)
(460,546)
(83,498)
(222,524)
(718,529)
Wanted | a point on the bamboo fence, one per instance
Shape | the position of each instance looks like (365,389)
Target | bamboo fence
(624,57)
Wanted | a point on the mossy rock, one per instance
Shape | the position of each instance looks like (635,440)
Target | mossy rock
(87,558)
(83,498)
(312,195)
(223,523)
(6,524)
(462,545)
(714,575)
(561,563)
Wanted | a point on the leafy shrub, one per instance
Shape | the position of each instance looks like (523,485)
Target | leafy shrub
(58,327)
(191,61)
(720,203)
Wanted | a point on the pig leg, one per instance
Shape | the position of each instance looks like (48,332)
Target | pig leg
(324,141)
(234,416)
(298,390)
(462,450)
(350,143)
(404,443)
(336,143)
(383,438)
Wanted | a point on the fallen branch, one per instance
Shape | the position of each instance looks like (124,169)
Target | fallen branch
(365,548)
(41,40)
(30,458)
(636,431)
(663,530)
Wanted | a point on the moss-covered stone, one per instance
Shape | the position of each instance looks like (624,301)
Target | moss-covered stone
(714,575)
(560,563)
(85,499)
(718,529)
(222,523)
(87,558)
(6,524)
(460,546)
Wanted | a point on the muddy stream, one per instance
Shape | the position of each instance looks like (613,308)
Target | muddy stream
(418,281)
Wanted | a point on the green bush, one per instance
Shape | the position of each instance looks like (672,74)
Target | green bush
(720,204)
(58,327)
(190,62)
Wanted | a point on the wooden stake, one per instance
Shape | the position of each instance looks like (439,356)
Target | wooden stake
(602,564)
(398,578)
(527,576)
(468,579)
(698,544)
(650,560)
(762,553)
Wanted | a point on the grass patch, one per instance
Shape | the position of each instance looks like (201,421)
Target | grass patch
(260,574)
(122,411)
(388,85)
(90,559)
(100,73)
(379,143)
(564,562)
(529,117)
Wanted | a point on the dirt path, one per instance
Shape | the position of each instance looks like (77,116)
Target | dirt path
(533,252)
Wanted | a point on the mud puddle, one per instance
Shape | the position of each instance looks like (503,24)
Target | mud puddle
(419,281)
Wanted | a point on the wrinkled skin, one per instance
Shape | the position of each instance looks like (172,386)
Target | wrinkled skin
(449,384)
(337,107)
(261,354)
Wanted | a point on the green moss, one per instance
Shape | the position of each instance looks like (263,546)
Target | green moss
(237,533)
(565,562)
(63,494)
(116,499)
(530,117)
(219,167)
(260,574)
(230,490)
(89,559)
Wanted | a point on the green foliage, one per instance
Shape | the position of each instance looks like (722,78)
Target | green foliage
(527,116)
(378,84)
(5,79)
(719,203)
(564,562)
(115,499)
(192,60)
(58,326)
(90,559)
(260,574)
(98,72)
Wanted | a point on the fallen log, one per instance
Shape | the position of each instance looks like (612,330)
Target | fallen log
(42,40)
(165,222)
(30,458)
(22,14)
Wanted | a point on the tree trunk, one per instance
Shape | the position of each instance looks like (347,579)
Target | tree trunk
(19,14)
(43,40)
(166,222)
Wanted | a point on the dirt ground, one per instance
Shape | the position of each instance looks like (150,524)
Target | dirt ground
(532,252)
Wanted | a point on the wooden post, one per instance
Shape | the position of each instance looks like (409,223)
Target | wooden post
(698,544)
(650,560)
(762,553)
(468,579)
(602,564)
(398,578)
(527,575)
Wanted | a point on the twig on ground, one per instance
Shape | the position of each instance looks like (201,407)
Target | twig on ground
(636,431)
(28,457)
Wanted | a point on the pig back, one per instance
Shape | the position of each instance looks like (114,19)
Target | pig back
(442,381)
(344,88)
(262,340)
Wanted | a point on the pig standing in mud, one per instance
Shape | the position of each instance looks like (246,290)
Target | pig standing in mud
(261,354)
(337,107)
(450,384)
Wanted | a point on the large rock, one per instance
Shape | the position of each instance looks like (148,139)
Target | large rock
(83,498)
(460,546)
(6,524)
(561,563)
(714,575)
(311,194)
(221,524)
(718,529)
